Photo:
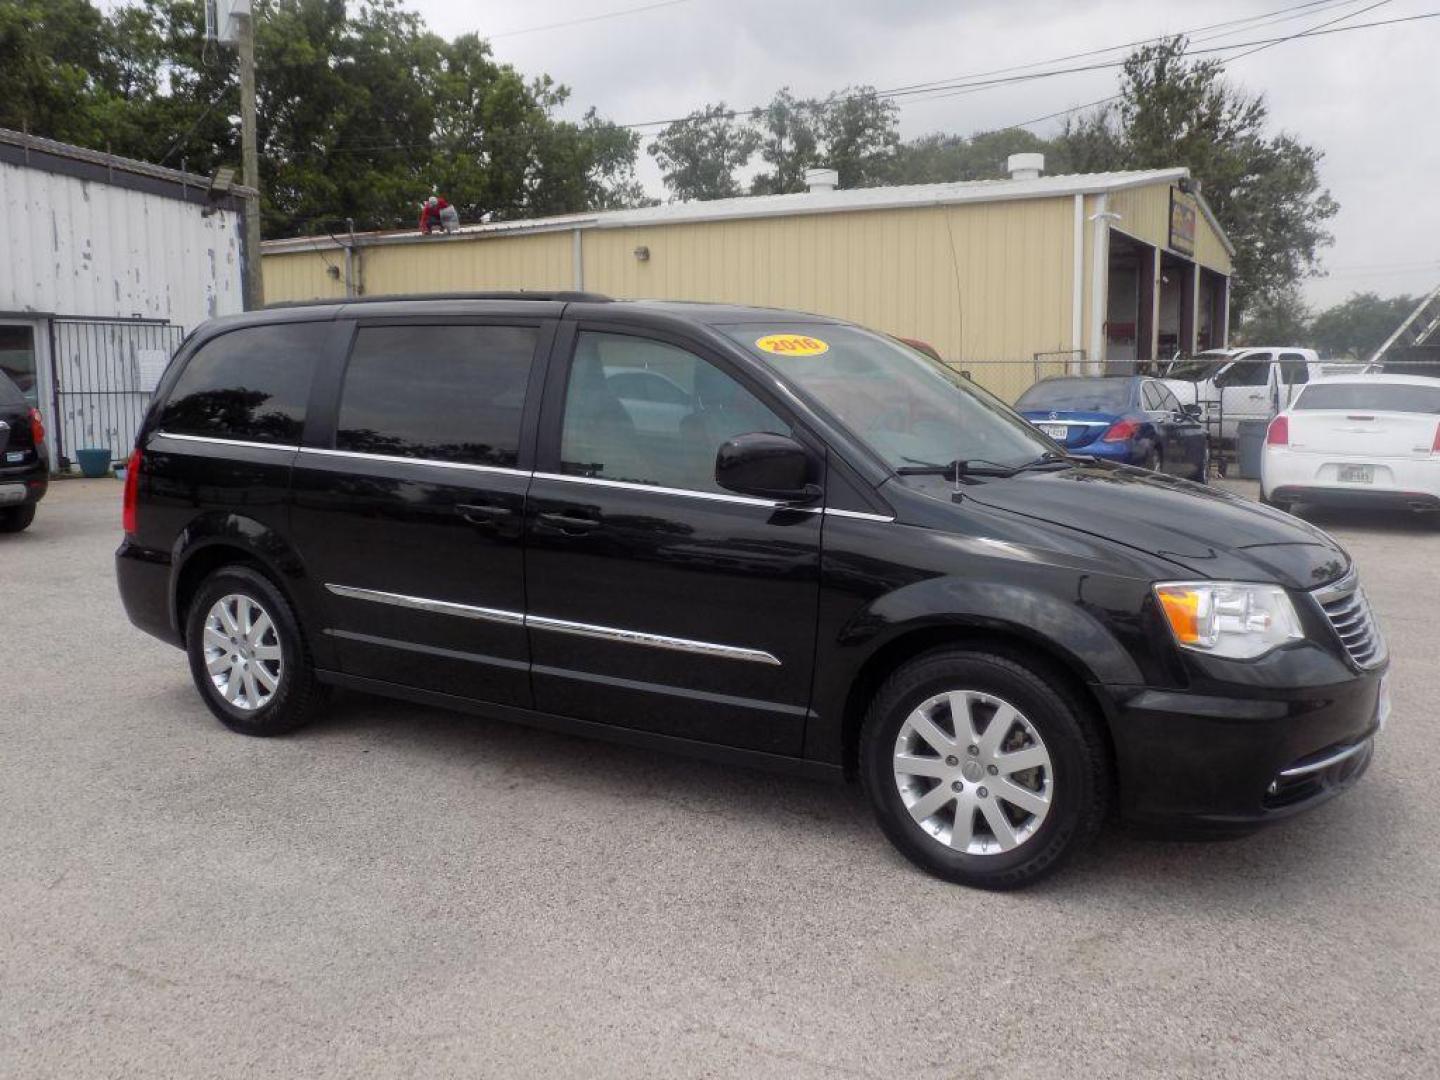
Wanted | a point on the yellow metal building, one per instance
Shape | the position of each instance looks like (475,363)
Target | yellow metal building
(1008,279)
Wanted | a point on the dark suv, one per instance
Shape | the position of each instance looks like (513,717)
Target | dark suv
(24,471)
(756,535)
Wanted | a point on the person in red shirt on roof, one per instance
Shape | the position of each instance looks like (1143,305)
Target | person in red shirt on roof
(430,214)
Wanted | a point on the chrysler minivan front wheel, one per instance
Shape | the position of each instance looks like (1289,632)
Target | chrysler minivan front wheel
(247,655)
(982,770)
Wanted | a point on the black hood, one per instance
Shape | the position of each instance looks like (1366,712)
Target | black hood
(1213,533)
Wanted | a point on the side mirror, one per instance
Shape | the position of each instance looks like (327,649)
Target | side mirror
(766,466)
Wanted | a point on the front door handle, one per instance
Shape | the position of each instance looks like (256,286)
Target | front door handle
(483,513)
(572,522)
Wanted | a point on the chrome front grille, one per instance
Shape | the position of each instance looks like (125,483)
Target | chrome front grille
(1348,610)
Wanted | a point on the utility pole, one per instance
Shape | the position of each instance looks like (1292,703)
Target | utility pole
(254,276)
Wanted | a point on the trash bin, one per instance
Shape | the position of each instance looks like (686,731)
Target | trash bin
(1249,443)
(94,462)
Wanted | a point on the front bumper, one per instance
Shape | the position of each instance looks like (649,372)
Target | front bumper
(1208,763)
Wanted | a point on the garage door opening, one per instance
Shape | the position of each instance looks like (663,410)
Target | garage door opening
(1177,306)
(1129,302)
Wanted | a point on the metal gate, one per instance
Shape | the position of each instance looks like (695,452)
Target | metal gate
(104,371)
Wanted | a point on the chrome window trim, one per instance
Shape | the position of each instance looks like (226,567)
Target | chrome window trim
(630,485)
(715,496)
(562,626)
(215,440)
(400,460)
(1326,762)
(659,641)
(624,485)
(421,603)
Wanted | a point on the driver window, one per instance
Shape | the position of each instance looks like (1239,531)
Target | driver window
(1246,373)
(649,413)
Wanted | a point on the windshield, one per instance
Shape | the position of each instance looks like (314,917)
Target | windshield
(909,408)
(1371,397)
(1077,395)
(1202,366)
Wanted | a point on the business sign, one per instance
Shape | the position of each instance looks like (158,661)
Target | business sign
(1183,212)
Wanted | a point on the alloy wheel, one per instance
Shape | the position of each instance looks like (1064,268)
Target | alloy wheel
(973,772)
(242,652)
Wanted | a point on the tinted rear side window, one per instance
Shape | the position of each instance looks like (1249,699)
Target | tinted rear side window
(1375,397)
(447,393)
(250,384)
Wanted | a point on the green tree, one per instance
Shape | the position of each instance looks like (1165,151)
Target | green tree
(940,158)
(1279,317)
(789,143)
(699,155)
(1265,189)
(853,130)
(362,110)
(56,74)
(1359,325)
(859,131)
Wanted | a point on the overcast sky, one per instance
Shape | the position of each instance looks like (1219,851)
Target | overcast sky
(1365,97)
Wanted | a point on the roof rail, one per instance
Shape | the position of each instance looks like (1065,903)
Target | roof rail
(562,296)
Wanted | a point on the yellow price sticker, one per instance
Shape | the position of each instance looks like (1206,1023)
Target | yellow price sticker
(792,345)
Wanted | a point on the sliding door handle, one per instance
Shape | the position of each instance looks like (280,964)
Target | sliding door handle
(570,522)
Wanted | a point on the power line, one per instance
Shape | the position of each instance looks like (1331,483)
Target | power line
(1294,11)
(588,19)
(1263,44)
(946,89)
(1313,32)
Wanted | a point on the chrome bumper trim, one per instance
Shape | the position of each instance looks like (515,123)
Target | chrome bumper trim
(1325,762)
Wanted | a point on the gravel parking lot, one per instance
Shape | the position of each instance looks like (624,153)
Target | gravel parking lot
(399,891)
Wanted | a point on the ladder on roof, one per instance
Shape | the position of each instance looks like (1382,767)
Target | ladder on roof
(1421,325)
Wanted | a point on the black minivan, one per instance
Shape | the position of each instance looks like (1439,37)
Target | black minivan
(757,535)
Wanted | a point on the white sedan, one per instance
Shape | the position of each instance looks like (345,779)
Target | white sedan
(1356,440)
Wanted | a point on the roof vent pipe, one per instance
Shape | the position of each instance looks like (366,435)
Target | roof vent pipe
(822,179)
(1025,166)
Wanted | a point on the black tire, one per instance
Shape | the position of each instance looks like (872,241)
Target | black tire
(1202,474)
(15,519)
(298,695)
(1080,785)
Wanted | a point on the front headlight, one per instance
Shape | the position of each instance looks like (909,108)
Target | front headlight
(1233,619)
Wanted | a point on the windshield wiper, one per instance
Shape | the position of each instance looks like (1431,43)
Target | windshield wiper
(978,467)
(956,469)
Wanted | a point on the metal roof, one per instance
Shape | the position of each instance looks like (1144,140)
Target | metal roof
(112,163)
(812,202)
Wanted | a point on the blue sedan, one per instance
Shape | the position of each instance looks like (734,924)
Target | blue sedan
(1126,418)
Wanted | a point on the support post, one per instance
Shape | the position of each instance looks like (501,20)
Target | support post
(254,273)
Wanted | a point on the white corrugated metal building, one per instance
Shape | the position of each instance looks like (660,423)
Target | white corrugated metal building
(105,264)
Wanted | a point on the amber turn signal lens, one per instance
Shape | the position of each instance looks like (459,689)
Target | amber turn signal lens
(1182,612)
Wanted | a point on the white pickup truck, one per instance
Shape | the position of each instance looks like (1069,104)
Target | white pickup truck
(1251,383)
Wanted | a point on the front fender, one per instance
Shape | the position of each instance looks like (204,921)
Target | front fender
(1070,627)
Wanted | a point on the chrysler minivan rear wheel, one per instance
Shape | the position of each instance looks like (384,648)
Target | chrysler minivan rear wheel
(247,655)
(983,769)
